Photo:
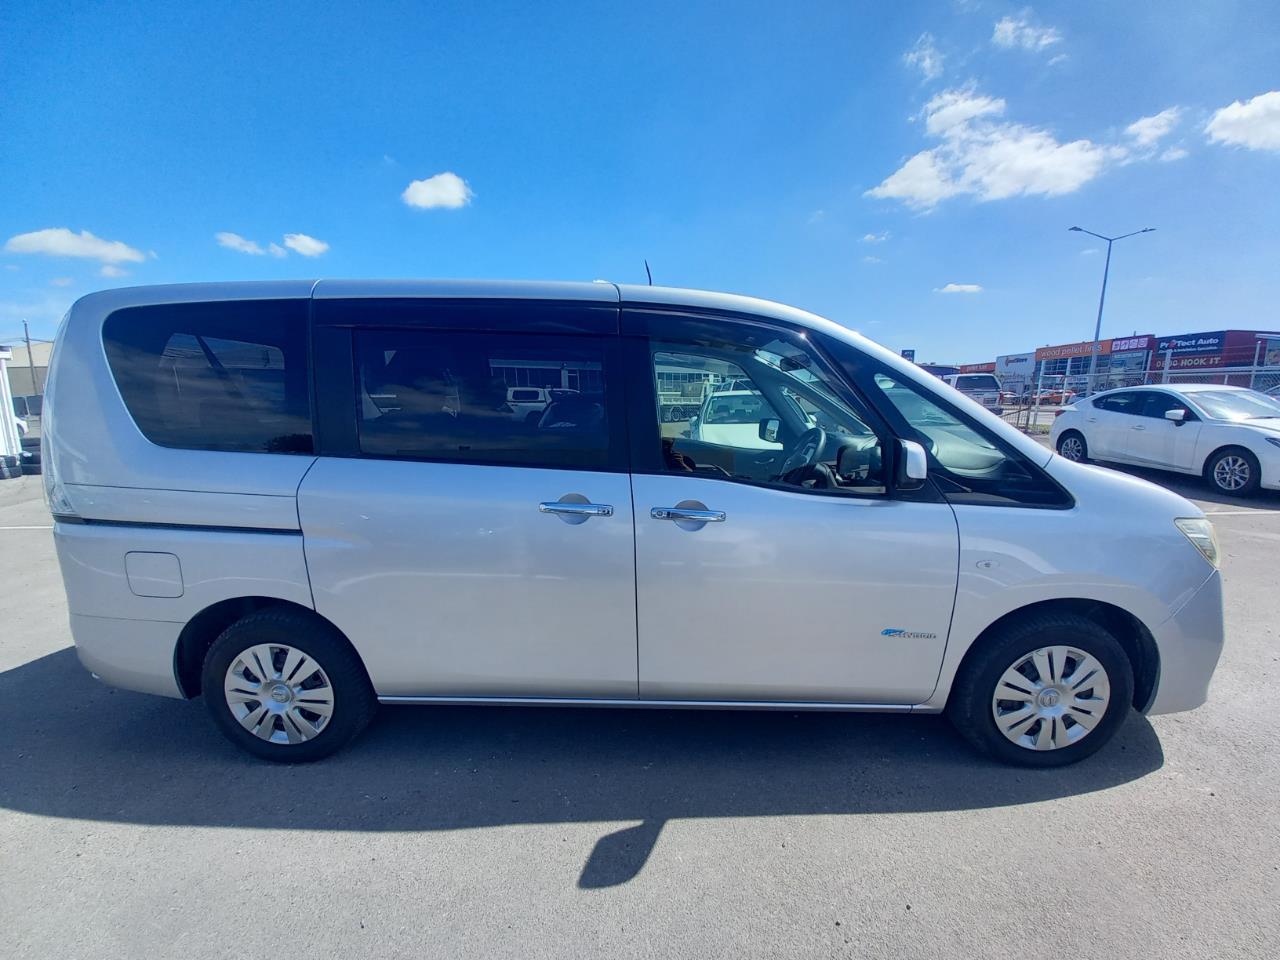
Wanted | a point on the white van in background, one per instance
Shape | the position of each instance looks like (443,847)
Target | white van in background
(299,500)
(981,388)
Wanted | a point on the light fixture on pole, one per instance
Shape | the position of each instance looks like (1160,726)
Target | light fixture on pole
(1097,327)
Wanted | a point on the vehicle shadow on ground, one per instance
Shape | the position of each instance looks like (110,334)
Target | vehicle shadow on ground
(72,748)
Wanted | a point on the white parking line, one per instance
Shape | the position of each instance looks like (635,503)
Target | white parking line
(1240,513)
(48,526)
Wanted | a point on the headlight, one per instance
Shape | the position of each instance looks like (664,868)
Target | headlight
(1200,532)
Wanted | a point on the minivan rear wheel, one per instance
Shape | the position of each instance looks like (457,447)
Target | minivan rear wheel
(1043,691)
(286,686)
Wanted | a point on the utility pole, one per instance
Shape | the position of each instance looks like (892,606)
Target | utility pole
(31,362)
(1091,383)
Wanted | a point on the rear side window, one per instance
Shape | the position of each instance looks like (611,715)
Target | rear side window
(445,396)
(1120,403)
(226,376)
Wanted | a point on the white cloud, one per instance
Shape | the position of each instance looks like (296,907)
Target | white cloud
(276,250)
(871,259)
(1020,32)
(989,158)
(1173,153)
(875,237)
(61,242)
(959,288)
(108,270)
(1254,124)
(443,190)
(924,56)
(61,282)
(817,216)
(1088,251)
(1148,131)
(233,241)
(307,246)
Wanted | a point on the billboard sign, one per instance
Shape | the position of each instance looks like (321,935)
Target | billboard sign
(989,367)
(909,355)
(1081,349)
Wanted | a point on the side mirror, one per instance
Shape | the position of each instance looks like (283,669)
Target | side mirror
(913,466)
(769,428)
(1177,415)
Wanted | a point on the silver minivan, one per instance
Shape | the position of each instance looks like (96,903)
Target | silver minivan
(302,499)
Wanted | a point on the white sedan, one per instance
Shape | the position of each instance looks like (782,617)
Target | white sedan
(1228,435)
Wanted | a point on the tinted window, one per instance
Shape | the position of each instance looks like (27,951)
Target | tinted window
(444,396)
(215,376)
(1157,403)
(1127,402)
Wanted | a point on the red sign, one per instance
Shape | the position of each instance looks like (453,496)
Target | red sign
(978,367)
(1081,349)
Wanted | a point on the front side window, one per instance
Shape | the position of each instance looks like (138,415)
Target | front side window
(765,413)
(969,465)
(449,396)
(228,376)
(1157,403)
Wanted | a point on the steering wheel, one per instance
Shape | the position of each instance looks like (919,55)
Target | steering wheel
(805,451)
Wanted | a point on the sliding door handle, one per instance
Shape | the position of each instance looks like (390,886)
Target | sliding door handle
(685,513)
(583,510)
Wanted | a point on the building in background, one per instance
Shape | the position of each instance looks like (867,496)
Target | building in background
(19,373)
(1016,372)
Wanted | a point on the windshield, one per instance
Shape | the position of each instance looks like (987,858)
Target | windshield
(1237,404)
(970,382)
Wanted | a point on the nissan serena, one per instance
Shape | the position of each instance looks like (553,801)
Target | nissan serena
(299,500)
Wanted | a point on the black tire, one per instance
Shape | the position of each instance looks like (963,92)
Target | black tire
(1084,446)
(1250,487)
(354,701)
(970,706)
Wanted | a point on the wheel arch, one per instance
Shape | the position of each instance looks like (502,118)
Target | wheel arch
(206,626)
(1130,632)
(1222,448)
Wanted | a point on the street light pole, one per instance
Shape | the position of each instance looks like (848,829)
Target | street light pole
(1102,299)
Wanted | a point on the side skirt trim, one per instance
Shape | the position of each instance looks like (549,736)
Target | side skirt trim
(664,704)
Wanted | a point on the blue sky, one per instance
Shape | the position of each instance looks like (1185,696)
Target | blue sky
(851,158)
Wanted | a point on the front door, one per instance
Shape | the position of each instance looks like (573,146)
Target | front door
(1160,442)
(468,545)
(772,562)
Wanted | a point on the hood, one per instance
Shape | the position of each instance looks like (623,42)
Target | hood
(1094,486)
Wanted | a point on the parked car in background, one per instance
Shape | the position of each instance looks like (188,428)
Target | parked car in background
(1228,435)
(301,499)
(528,403)
(981,388)
(732,418)
(1057,397)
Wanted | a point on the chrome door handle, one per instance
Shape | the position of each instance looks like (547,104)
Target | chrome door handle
(576,509)
(1138,427)
(684,513)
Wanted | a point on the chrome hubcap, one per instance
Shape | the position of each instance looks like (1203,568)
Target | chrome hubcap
(278,693)
(1231,472)
(1051,698)
(1072,448)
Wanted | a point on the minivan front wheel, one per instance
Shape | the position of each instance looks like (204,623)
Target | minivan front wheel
(286,686)
(1043,691)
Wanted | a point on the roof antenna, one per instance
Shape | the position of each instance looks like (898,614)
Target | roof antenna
(648,273)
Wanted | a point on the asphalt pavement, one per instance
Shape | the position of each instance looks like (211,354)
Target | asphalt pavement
(129,828)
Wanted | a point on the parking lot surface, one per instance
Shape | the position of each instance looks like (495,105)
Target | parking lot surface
(130,828)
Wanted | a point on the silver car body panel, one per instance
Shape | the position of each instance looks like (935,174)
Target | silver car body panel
(448,579)
(451,583)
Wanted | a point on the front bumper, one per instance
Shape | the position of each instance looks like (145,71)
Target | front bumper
(1190,643)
